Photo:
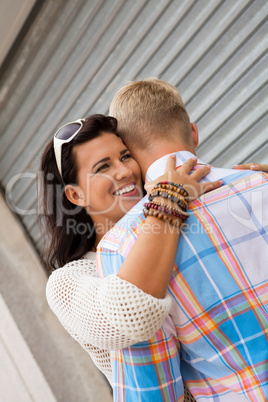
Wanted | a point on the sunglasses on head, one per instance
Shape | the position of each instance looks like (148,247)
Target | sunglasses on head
(65,134)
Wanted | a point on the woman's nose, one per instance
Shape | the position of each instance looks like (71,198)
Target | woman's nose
(122,171)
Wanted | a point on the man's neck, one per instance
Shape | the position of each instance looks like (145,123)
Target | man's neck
(146,158)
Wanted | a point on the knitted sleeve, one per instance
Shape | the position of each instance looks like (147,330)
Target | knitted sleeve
(107,313)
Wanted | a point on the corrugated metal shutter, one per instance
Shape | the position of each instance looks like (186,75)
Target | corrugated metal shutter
(78,53)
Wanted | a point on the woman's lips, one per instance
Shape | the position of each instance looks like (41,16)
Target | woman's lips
(133,193)
(130,190)
(125,189)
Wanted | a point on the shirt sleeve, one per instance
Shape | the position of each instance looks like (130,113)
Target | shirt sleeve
(107,313)
(149,371)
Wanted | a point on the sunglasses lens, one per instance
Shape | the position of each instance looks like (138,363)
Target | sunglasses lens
(66,132)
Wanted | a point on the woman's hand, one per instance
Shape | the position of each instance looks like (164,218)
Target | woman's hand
(252,166)
(182,176)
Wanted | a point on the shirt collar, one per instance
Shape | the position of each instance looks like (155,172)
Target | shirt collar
(158,166)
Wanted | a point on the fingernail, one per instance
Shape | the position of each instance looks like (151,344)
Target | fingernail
(221,181)
(254,167)
(173,156)
(208,166)
(194,158)
(235,166)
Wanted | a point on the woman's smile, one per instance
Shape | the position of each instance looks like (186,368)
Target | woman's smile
(127,190)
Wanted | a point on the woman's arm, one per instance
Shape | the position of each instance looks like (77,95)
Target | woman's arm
(107,313)
(150,262)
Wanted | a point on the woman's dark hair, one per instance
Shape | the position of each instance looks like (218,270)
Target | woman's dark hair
(69,228)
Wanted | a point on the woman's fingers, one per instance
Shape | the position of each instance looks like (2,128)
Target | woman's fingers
(262,168)
(198,174)
(182,176)
(187,166)
(171,163)
(211,186)
(252,166)
(196,189)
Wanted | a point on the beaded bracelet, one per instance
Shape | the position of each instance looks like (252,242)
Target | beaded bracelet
(178,192)
(174,197)
(160,215)
(169,185)
(171,216)
(167,210)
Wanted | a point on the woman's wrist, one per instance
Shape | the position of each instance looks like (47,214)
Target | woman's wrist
(159,226)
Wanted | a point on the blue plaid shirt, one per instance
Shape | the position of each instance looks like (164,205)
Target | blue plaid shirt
(215,336)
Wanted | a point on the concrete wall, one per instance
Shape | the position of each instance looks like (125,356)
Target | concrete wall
(13,14)
(39,361)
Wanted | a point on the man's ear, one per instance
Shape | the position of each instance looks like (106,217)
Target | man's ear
(75,195)
(195,134)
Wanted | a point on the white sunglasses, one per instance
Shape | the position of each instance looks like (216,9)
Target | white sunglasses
(65,134)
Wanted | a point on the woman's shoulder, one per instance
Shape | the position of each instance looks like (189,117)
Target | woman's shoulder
(84,266)
(72,276)
(90,255)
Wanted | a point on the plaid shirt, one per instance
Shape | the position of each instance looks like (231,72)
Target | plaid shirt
(215,336)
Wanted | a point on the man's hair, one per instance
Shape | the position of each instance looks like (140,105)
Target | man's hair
(150,109)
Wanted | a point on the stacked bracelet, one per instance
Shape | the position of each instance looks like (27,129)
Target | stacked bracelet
(171,192)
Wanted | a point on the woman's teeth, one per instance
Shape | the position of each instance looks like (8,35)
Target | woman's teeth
(125,190)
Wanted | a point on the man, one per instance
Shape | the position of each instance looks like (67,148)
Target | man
(215,337)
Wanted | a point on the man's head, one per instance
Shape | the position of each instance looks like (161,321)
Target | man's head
(151,112)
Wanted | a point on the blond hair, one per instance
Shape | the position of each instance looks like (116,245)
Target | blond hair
(150,109)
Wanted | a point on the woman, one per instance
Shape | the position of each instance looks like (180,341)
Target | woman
(90,181)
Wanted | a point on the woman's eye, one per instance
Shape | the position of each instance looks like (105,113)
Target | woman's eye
(102,167)
(127,156)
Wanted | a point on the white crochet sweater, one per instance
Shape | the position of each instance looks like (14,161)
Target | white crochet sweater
(103,314)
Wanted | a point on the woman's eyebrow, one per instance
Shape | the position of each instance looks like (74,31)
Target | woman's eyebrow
(107,158)
(100,161)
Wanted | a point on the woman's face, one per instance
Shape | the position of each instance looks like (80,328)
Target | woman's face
(109,178)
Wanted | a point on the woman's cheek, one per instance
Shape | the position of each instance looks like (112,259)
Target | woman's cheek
(104,184)
(133,165)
